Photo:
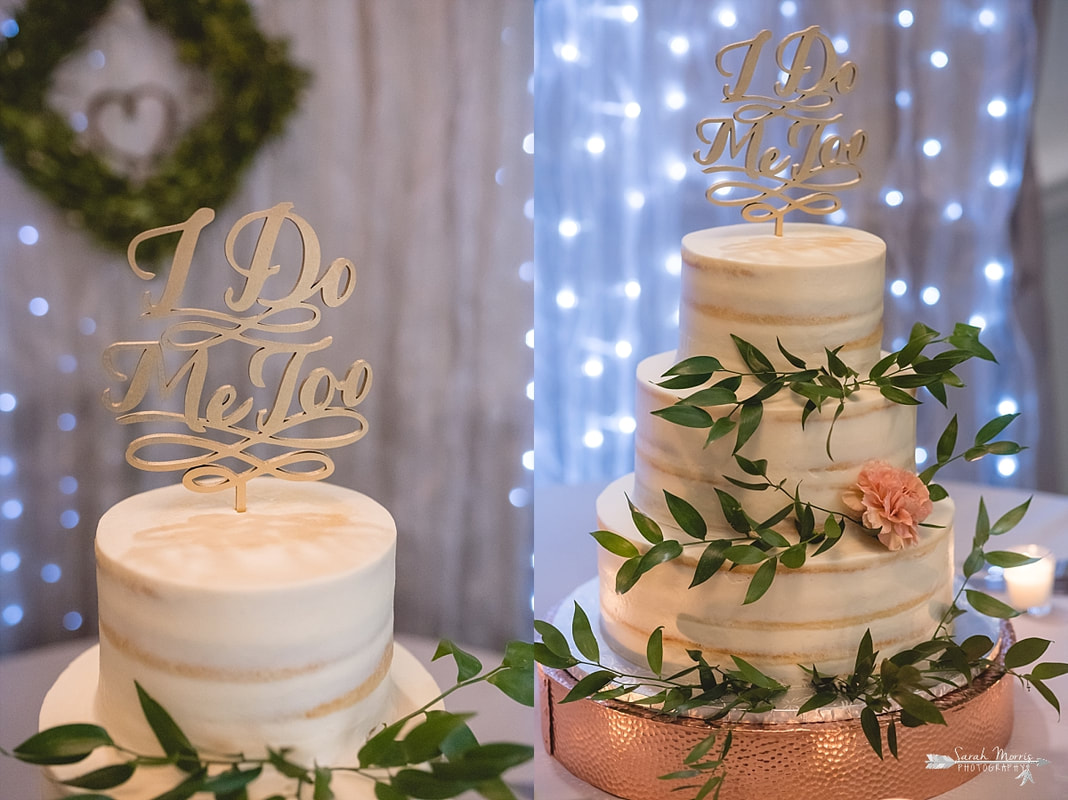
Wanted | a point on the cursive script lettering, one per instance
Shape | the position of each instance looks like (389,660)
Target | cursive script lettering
(305,394)
(770,183)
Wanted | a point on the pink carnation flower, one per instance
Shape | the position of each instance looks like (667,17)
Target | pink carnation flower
(893,501)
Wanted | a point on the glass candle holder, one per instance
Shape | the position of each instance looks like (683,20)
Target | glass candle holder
(1030,586)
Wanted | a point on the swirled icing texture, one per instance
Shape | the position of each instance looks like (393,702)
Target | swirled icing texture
(268,627)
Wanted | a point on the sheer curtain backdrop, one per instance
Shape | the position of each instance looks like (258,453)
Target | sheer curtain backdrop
(406,154)
(945,94)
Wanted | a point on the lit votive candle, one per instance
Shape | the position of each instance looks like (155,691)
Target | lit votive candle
(1030,586)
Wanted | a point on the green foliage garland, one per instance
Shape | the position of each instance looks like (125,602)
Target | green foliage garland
(427,753)
(255,88)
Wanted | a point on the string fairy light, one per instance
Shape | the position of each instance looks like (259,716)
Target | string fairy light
(642,193)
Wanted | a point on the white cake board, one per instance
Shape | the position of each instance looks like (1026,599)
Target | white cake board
(72,698)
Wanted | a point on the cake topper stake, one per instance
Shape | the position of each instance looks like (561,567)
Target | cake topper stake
(822,164)
(221,429)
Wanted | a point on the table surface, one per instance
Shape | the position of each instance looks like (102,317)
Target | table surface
(26,677)
(565,557)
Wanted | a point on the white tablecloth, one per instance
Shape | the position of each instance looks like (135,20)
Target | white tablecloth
(565,557)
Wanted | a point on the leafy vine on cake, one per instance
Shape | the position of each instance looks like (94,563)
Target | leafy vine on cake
(758,542)
(429,752)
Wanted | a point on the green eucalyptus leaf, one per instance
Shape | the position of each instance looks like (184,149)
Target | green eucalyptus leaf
(627,575)
(495,789)
(993,428)
(688,518)
(1007,559)
(869,723)
(754,676)
(966,337)
(712,558)
(423,742)
(582,634)
(1025,651)
(936,492)
(170,737)
(1046,693)
(103,778)
(381,750)
(732,512)
(321,788)
(685,415)
(517,683)
(751,355)
(899,396)
(982,525)
(696,365)
(720,428)
(794,360)
(794,556)
(919,707)
(1010,519)
(680,382)
(882,366)
(712,396)
(614,543)
(772,537)
(661,553)
(428,786)
(758,468)
(654,650)
(518,654)
(750,487)
(1049,669)
(187,788)
(761,581)
(938,390)
(552,638)
(543,655)
(467,665)
(974,562)
(385,791)
(832,528)
(990,606)
(232,781)
(589,684)
(891,737)
(745,554)
(748,421)
(947,442)
(818,700)
(976,646)
(646,525)
(64,744)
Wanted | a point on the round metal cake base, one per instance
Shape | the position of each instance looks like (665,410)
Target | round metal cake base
(623,749)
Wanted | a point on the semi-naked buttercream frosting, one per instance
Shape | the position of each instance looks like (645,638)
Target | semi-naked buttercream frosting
(269,627)
(816,288)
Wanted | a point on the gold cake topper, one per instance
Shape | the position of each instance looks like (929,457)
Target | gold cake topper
(810,78)
(227,441)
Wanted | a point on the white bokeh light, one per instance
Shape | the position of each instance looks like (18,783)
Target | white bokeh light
(7,401)
(898,288)
(676,170)
(593,367)
(635,198)
(679,45)
(632,110)
(38,306)
(903,98)
(593,439)
(673,264)
(905,18)
(624,348)
(1008,406)
(632,289)
(788,8)
(675,99)
(932,147)
(566,298)
(998,176)
(997,107)
(893,198)
(12,614)
(568,228)
(567,52)
(528,460)
(627,424)
(977,321)
(629,13)
(726,17)
(921,455)
(1007,466)
(987,18)
(11,509)
(953,211)
(930,295)
(28,234)
(72,620)
(939,59)
(994,271)
(528,144)
(595,144)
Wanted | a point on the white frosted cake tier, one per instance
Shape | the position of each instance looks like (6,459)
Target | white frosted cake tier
(73,699)
(814,287)
(816,614)
(675,458)
(271,625)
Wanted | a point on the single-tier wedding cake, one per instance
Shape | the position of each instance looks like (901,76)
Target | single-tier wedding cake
(814,288)
(270,627)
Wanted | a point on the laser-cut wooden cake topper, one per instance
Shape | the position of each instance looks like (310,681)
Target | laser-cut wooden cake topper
(810,78)
(267,309)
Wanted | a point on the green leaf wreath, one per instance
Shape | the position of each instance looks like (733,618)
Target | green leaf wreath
(255,88)
(428,753)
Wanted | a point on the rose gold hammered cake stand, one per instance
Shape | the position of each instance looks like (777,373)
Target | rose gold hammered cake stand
(623,748)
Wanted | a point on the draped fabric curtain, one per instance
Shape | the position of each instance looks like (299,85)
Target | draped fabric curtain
(944,93)
(406,155)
